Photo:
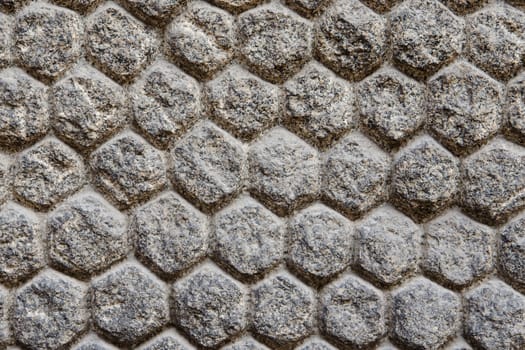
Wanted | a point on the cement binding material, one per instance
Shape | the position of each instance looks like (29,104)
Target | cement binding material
(243,174)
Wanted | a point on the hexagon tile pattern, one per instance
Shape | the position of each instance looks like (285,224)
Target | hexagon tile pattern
(262,174)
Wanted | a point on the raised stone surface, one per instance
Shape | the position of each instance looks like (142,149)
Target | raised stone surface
(78,5)
(315,344)
(5,178)
(5,39)
(462,7)
(512,252)
(246,343)
(156,12)
(515,109)
(307,8)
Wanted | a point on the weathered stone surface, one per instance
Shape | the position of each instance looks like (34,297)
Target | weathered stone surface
(242,103)
(208,166)
(165,102)
(12,5)
(209,306)
(315,344)
(353,312)
(512,252)
(94,344)
(283,171)
(351,39)
(515,110)
(87,108)
(155,12)
(381,6)
(128,305)
(319,106)
(6,27)
(118,44)
(78,5)
(236,6)
(164,341)
(424,315)
(495,317)
(24,110)
(307,8)
(49,312)
(387,246)
(249,238)
(201,39)
(274,42)
(46,174)
(355,174)
(5,178)
(425,37)
(283,310)
(5,304)
(86,235)
(462,7)
(128,170)
(170,235)
(246,343)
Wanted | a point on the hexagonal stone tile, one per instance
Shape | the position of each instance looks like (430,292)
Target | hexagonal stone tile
(5,40)
(207,166)
(425,37)
(128,305)
(170,235)
(425,179)
(167,340)
(353,312)
(46,174)
(49,312)
(87,108)
(319,106)
(5,304)
(284,171)
(391,107)
(512,252)
(274,42)
(495,316)
(515,110)
(209,306)
(201,40)
(242,103)
(462,7)
(118,44)
(496,39)
(165,102)
(249,238)
(315,343)
(47,40)
(86,235)
(457,250)
(321,243)
(24,111)
(246,343)
(78,5)
(155,12)
(283,310)
(92,342)
(351,39)
(464,107)
(387,246)
(21,248)
(355,174)
(128,170)
(493,181)
(307,8)
(424,315)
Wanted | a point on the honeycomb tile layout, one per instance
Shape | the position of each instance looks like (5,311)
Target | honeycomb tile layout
(255,175)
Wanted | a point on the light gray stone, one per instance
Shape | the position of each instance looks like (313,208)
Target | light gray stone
(515,110)
(6,27)
(246,343)
(512,251)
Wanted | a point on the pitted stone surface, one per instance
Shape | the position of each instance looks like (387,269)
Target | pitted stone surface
(512,252)
(87,108)
(170,235)
(165,102)
(201,39)
(4,177)
(246,343)
(128,305)
(78,5)
(12,5)
(6,26)
(462,7)
(209,306)
(5,332)
(381,6)
(24,110)
(49,312)
(274,43)
(316,344)
(351,39)
(515,109)
(307,8)
(155,11)
(319,106)
(242,103)
(164,343)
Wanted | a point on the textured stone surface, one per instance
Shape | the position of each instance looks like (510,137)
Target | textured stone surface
(78,5)
(246,343)
(5,40)
(512,252)
(515,109)
(155,11)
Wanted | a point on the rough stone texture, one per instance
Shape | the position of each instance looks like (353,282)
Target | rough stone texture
(209,306)
(24,110)
(128,170)
(387,246)
(425,36)
(155,12)
(49,312)
(319,106)
(283,171)
(242,103)
(355,174)
(164,342)
(249,238)
(5,332)
(274,42)
(316,344)
(424,315)
(201,39)
(246,343)
(5,178)
(46,174)
(128,305)
(12,5)
(495,317)
(353,312)
(515,109)
(512,252)
(5,40)
(464,107)
(307,8)
(351,39)
(170,235)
